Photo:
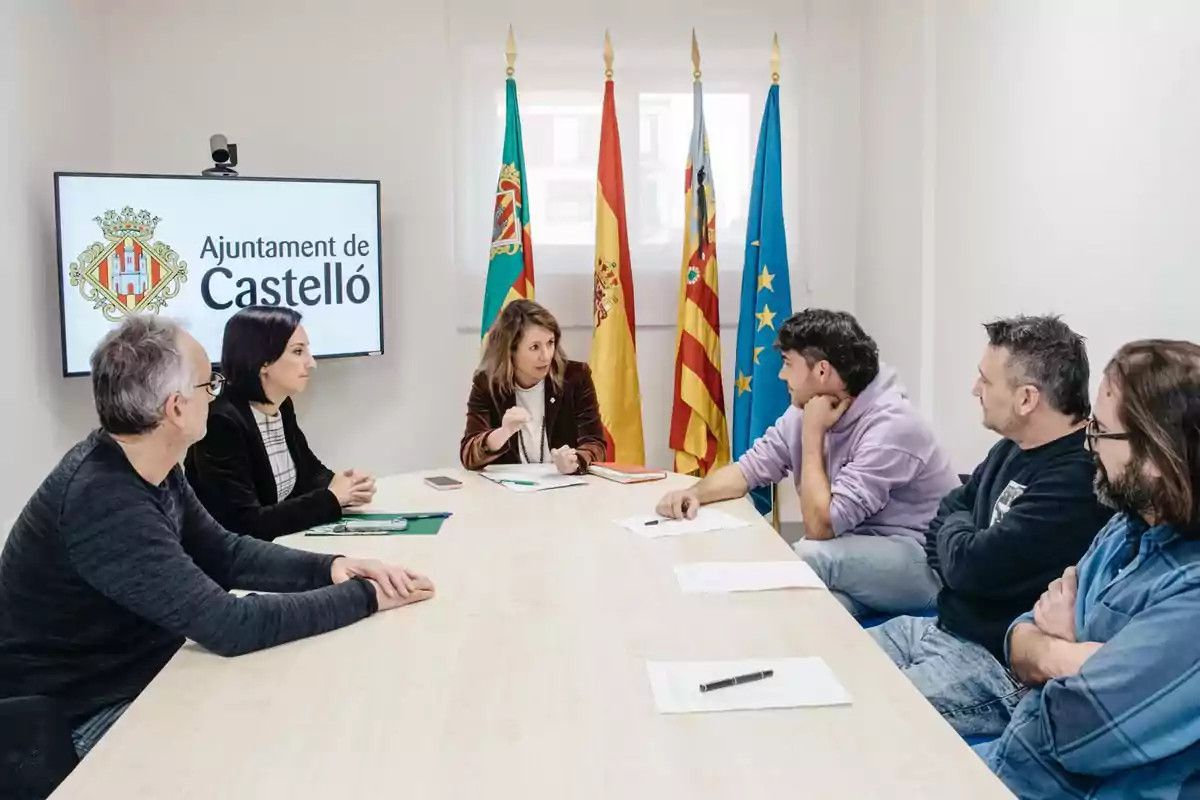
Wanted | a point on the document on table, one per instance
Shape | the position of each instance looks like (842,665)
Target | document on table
(746,576)
(652,526)
(525,478)
(796,682)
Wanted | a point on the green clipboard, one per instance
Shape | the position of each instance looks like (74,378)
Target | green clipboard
(419,524)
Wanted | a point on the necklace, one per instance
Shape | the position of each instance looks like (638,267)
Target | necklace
(541,446)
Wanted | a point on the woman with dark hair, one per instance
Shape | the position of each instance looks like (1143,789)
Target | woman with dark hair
(529,404)
(253,470)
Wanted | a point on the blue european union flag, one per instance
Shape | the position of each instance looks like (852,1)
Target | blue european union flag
(760,397)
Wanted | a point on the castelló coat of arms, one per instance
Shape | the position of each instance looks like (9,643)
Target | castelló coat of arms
(129,273)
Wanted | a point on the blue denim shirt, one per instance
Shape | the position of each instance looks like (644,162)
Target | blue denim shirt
(1128,725)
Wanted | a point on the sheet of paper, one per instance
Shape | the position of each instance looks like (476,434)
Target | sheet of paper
(797,682)
(523,478)
(652,526)
(746,576)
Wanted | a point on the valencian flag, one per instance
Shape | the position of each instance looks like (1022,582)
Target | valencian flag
(760,398)
(698,431)
(510,265)
(614,347)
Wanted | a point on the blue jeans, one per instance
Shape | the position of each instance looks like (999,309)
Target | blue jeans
(874,574)
(964,682)
(86,735)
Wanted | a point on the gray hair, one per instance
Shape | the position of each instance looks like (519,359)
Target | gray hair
(1046,353)
(135,368)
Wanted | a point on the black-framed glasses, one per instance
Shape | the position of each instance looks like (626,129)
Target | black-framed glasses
(215,385)
(1093,434)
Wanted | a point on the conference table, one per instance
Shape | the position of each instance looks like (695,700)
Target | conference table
(525,677)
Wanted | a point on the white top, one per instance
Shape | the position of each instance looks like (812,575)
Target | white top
(270,427)
(529,667)
(533,400)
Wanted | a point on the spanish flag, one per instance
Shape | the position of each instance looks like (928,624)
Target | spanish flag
(614,346)
(510,264)
(699,435)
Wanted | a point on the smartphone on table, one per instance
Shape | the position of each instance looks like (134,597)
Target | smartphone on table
(443,483)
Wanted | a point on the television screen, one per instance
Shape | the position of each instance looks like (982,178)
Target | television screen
(198,249)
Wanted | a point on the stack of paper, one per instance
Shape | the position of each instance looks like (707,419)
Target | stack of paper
(746,576)
(796,682)
(652,526)
(530,477)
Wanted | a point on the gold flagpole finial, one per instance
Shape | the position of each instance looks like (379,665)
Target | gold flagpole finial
(695,56)
(775,59)
(608,55)
(510,53)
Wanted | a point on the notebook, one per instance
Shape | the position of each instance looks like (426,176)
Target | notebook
(625,473)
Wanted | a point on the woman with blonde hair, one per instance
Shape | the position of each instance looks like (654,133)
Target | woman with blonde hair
(529,404)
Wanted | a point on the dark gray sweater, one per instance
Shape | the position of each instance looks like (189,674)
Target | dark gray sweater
(104,576)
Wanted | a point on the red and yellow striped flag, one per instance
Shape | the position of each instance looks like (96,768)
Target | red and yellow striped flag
(614,346)
(699,435)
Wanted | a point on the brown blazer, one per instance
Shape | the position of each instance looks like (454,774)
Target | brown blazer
(572,418)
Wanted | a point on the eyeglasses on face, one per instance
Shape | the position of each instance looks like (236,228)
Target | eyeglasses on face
(215,385)
(1094,434)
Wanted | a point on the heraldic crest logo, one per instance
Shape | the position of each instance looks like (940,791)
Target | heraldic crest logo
(506,220)
(607,289)
(130,273)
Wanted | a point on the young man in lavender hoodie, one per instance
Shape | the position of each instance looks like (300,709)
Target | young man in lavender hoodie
(868,469)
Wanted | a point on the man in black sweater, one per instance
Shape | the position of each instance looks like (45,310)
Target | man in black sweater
(1027,513)
(113,562)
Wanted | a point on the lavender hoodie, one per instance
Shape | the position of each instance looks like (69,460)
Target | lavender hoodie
(886,470)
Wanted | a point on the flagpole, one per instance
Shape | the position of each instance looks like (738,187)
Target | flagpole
(608,55)
(775,59)
(510,53)
(776,522)
(695,57)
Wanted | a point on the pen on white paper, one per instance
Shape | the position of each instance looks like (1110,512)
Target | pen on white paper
(652,526)
(795,683)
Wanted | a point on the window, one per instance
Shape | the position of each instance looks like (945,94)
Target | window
(561,134)
(665,127)
(561,99)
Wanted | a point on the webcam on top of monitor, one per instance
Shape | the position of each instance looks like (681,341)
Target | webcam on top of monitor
(224,156)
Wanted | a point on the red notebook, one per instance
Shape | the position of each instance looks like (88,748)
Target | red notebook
(626,473)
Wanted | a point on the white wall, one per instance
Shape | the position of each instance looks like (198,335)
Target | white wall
(1055,146)
(346,89)
(888,285)
(1068,178)
(52,116)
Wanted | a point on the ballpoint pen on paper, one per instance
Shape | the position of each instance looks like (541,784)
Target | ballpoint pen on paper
(740,679)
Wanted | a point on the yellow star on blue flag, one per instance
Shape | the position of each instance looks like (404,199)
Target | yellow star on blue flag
(758,362)
(742,383)
(764,280)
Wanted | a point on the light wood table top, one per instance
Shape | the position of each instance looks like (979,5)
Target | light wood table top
(525,678)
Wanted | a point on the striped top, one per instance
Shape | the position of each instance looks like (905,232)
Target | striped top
(270,427)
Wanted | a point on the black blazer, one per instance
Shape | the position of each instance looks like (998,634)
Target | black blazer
(232,476)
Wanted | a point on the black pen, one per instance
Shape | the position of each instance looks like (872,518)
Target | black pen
(652,522)
(722,684)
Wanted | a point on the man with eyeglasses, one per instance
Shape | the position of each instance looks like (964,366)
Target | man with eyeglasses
(113,563)
(1026,513)
(1111,647)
